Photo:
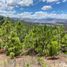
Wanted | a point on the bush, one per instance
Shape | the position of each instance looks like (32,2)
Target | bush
(12,55)
(53,48)
(64,43)
(44,40)
(14,45)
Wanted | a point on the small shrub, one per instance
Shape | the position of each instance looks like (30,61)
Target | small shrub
(64,43)
(12,55)
(14,45)
(53,48)
(41,62)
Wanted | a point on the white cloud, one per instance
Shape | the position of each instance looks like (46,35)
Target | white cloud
(10,4)
(43,15)
(36,15)
(58,2)
(25,15)
(46,7)
(1,4)
(64,0)
(25,2)
(19,2)
(44,0)
(7,6)
(50,0)
(40,15)
(7,13)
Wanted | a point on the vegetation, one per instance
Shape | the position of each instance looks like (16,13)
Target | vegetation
(17,38)
(41,62)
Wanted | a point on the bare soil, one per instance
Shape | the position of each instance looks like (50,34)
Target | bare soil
(31,61)
(61,61)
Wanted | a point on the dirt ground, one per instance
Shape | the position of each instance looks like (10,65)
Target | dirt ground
(32,61)
(60,62)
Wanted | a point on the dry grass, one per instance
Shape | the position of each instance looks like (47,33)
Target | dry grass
(32,61)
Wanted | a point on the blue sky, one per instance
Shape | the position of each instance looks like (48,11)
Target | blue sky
(34,9)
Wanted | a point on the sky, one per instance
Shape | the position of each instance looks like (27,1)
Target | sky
(34,9)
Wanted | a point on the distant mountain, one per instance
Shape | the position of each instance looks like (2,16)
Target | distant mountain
(48,20)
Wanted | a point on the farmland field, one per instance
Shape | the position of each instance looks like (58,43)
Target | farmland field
(24,44)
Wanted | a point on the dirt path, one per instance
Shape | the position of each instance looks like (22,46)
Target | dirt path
(61,62)
(24,61)
(31,61)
